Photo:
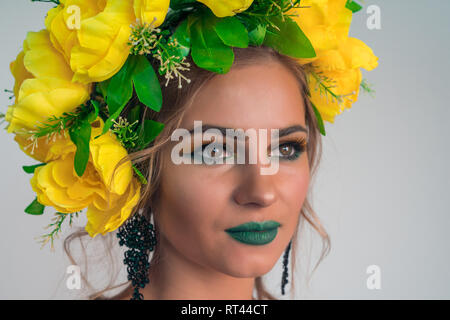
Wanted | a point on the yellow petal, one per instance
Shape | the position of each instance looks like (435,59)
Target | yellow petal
(60,147)
(346,85)
(331,60)
(103,221)
(50,194)
(42,59)
(224,8)
(336,10)
(147,10)
(61,36)
(358,54)
(88,66)
(19,72)
(325,22)
(106,153)
(103,42)
(39,99)
(63,174)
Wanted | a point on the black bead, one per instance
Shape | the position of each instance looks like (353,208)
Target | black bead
(284,277)
(139,236)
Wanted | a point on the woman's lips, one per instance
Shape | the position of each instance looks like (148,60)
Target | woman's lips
(255,233)
(255,226)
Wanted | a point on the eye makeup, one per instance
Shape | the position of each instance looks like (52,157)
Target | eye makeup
(293,148)
(289,149)
(221,148)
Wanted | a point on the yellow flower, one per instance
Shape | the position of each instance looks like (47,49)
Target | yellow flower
(43,85)
(147,10)
(19,72)
(343,67)
(346,85)
(99,47)
(109,195)
(338,58)
(325,22)
(224,8)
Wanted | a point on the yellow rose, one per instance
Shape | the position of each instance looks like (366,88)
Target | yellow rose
(99,47)
(343,67)
(43,84)
(44,149)
(147,10)
(103,218)
(19,72)
(339,58)
(223,8)
(346,84)
(325,22)
(109,195)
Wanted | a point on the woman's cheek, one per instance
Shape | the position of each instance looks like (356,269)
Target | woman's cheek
(293,184)
(191,199)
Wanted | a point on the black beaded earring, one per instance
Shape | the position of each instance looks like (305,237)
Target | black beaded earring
(284,277)
(139,236)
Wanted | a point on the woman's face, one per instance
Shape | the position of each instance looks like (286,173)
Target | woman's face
(198,202)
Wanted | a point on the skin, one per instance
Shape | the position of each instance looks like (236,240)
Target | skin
(199,260)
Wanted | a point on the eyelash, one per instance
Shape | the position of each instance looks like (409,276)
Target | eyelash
(299,146)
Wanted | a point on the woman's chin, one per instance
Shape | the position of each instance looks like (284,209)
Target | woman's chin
(248,267)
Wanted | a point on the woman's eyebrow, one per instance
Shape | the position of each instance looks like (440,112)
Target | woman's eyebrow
(282,132)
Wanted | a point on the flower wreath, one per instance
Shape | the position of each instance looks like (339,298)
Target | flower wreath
(74,79)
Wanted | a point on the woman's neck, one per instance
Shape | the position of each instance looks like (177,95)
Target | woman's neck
(173,277)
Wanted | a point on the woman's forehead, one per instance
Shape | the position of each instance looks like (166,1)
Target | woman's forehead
(257,96)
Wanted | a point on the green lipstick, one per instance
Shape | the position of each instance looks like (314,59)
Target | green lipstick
(255,233)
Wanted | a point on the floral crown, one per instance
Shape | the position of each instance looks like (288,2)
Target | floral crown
(75,80)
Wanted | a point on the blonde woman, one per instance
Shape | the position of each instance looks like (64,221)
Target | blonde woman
(136,112)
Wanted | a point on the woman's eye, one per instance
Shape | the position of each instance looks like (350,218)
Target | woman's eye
(211,152)
(216,152)
(289,151)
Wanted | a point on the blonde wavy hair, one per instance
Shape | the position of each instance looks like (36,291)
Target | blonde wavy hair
(175,103)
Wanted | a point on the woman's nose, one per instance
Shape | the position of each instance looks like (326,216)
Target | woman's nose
(254,189)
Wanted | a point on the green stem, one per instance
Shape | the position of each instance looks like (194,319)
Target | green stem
(325,87)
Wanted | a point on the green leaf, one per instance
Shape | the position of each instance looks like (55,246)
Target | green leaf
(134,114)
(149,131)
(119,92)
(353,6)
(109,122)
(257,35)
(140,175)
(146,83)
(232,32)
(181,34)
(30,169)
(289,40)
(80,134)
(93,115)
(136,73)
(120,88)
(207,50)
(179,4)
(35,208)
(319,120)
(191,19)
(102,87)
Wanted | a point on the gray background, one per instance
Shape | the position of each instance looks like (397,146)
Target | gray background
(381,191)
